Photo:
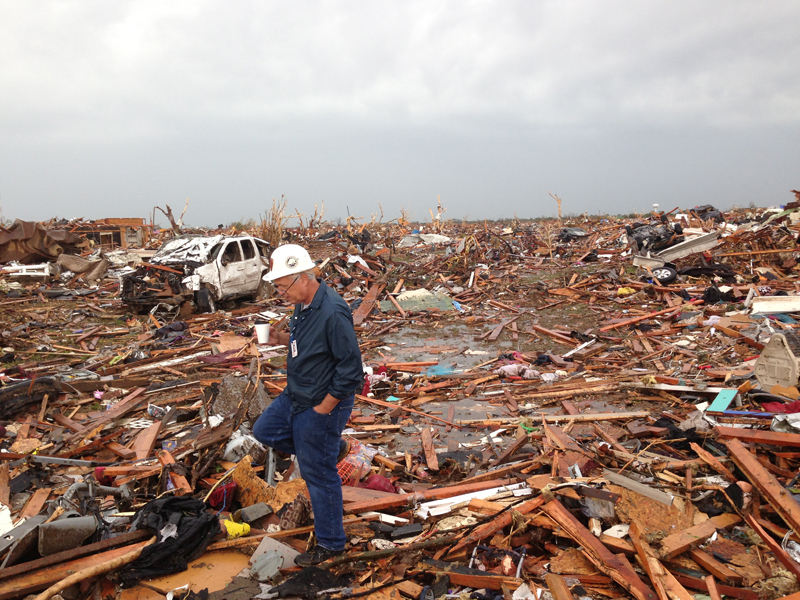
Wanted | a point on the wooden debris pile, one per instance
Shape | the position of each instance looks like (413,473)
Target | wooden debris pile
(538,414)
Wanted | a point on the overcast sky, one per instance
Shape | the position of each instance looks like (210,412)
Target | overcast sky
(108,109)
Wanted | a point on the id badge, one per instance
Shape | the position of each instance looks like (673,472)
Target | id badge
(294,348)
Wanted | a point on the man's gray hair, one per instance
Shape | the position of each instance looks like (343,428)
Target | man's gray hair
(310,275)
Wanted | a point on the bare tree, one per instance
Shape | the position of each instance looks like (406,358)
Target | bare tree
(557,199)
(176,225)
(273,222)
(436,221)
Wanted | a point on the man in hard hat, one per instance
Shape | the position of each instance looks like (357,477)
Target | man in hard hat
(324,370)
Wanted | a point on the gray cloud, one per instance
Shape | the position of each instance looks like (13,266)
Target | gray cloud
(109,108)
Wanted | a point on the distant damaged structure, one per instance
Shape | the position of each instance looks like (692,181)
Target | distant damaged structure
(28,242)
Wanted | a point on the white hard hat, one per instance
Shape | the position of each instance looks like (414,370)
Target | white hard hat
(288,260)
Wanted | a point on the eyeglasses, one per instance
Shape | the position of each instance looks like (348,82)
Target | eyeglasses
(283,291)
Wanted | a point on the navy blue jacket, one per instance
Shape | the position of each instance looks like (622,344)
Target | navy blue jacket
(328,359)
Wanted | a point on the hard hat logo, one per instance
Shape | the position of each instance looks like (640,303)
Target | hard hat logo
(291,262)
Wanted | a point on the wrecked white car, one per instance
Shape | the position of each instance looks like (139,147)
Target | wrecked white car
(661,264)
(195,273)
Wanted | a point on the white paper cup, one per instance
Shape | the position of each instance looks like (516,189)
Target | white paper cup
(262,333)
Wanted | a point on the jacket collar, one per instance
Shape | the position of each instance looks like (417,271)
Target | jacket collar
(319,295)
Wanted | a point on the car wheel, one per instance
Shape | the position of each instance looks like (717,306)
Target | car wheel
(205,301)
(665,274)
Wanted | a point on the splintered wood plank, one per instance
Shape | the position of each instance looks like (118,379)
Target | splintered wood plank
(146,441)
(664,583)
(24,429)
(610,439)
(367,304)
(123,407)
(430,451)
(43,409)
(489,581)
(410,589)
(615,567)
(560,439)
(617,545)
(569,407)
(621,416)
(505,471)
(495,331)
(131,470)
(559,337)
(713,462)
(485,507)
(512,405)
(121,450)
(734,592)
(769,487)
(35,503)
(388,463)
(574,453)
(28,583)
(182,486)
(713,592)
(396,304)
(391,406)
(5,491)
(98,443)
(716,568)
(509,452)
(680,542)
(558,587)
(647,316)
(64,421)
(59,557)
(353,494)
(399,500)
(773,438)
(498,523)
(470,389)
(776,548)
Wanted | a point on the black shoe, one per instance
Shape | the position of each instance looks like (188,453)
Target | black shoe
(344,450)
(319,555)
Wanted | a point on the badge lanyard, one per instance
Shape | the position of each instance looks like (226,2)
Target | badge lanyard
(292,341)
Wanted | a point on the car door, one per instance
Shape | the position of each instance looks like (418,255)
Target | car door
(231,269)
(252,266)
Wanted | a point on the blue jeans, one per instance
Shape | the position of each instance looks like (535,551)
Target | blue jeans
(314,439)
